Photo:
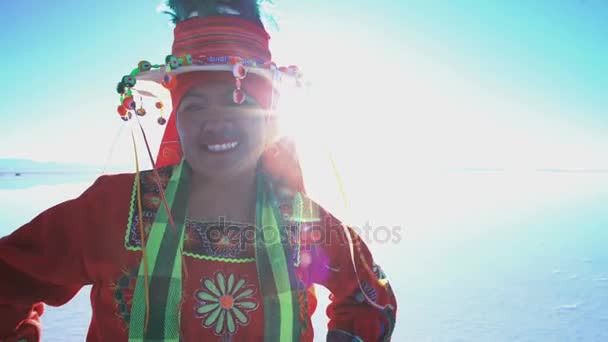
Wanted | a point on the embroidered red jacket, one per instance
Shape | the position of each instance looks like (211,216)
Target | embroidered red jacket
(94,240)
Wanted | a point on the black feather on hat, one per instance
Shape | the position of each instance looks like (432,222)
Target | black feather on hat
(181,10)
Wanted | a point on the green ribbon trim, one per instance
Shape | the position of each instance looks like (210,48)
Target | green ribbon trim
(273,259)
(220,259)
(275,271)
(165,269)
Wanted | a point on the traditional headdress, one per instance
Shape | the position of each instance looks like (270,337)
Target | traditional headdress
(220,36)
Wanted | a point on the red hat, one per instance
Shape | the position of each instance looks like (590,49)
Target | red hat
(217,48)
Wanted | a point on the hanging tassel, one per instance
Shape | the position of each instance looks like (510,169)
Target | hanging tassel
(162,194)
(339,180)
(142,233)
(160,186)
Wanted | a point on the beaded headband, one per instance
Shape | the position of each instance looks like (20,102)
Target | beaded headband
(166,75)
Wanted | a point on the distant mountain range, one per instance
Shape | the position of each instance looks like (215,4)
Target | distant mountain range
(14,166)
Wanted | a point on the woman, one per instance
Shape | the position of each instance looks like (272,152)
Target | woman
(219,241)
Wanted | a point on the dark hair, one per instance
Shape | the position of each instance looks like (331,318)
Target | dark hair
(280,162)
(181,10)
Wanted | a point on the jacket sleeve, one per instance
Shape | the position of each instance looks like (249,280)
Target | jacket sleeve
(363,306)
(43,262)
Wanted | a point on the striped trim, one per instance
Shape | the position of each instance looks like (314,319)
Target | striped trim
(219,259)
(275,269)
(165,264)
(130,222)
(221,36)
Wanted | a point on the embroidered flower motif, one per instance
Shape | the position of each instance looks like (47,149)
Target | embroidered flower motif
(123,290)
(226,240)
(151,201)
(225,303)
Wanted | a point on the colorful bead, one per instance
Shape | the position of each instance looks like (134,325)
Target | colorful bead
(120,88)
(122,111)
(238,96)
(234,60)
(172,61)
(239,71)
(169,81)
(270,65)
(144,66)
(293,70)
(128,103)
(129,81)
(186,60)
(124,118)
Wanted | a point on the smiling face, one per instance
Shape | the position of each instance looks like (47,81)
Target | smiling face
(221,139)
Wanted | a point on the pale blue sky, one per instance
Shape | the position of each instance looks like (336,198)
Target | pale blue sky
(489,79)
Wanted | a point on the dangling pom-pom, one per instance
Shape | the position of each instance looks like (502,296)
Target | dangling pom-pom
(169,81)
(140,111)
(122,111)
(162,121)
(238,96)
(129,103)
(239,71)
(159,105)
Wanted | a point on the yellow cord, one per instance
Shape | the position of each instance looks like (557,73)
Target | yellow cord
(352,245)
(339,179)
(162,194)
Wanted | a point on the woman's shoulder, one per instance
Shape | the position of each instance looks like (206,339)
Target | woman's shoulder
(121,182)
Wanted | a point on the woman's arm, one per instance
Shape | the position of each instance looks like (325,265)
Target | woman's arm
(44,262)
(363,306)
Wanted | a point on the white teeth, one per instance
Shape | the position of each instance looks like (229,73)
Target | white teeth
(223,147)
